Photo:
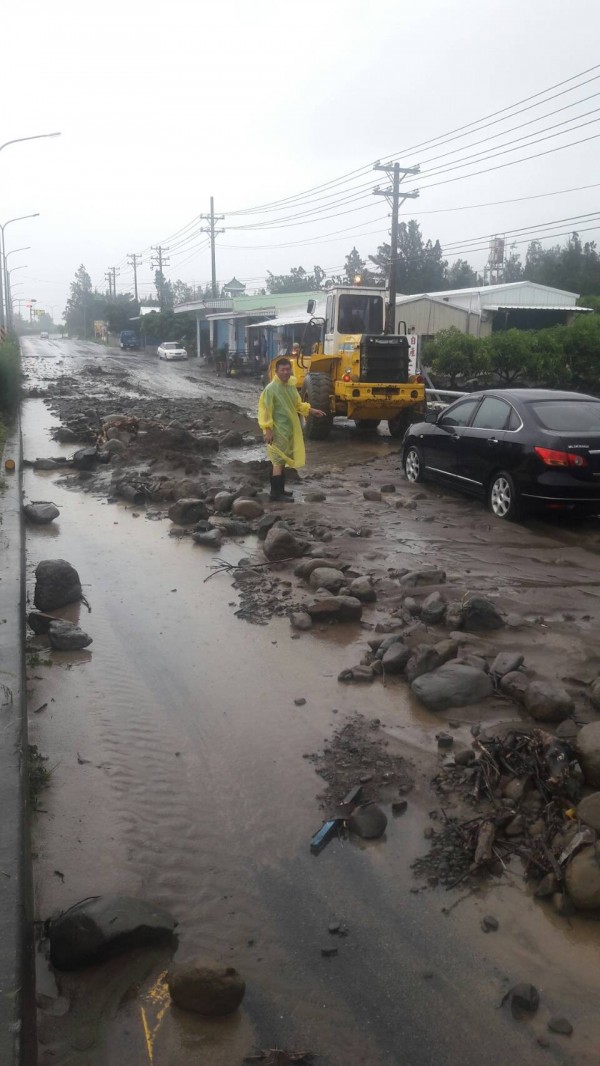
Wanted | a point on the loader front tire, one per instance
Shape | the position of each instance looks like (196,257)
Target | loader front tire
(316,391)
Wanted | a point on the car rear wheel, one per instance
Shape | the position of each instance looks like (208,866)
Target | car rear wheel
(503,497)
(413,465)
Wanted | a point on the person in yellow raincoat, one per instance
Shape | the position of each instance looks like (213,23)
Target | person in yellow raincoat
(279,408)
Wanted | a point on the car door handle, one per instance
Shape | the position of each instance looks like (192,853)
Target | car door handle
(493,440)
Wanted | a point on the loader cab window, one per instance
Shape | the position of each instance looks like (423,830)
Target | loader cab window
(329,315)
(360,313)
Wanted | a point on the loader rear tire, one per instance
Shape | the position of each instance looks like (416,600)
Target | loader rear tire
(316,391)
(398,425)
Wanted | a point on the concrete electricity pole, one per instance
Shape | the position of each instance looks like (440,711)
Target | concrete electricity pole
(133,259)
(108,278)
(113,271)
(160,261)
(212,232)
(392,195)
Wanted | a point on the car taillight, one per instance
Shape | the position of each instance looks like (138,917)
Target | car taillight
(347,376)
(416,379)
(552,458)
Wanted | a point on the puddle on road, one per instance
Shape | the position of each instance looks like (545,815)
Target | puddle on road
(177,776)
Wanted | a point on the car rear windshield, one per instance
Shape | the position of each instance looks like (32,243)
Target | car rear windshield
(568,416)
(170,344)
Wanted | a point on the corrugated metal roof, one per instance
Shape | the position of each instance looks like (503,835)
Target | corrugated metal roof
(534,307)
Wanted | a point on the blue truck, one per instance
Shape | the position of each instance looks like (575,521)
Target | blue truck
(129,340)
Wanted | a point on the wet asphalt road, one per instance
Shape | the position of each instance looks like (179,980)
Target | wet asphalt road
(178,775)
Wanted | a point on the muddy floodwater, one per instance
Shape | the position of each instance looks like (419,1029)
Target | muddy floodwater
(175,749)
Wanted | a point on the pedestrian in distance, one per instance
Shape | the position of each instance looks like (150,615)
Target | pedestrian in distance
(279,410)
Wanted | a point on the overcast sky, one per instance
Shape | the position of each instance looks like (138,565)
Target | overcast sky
(161,106)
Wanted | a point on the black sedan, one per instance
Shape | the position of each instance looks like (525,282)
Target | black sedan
(517,448)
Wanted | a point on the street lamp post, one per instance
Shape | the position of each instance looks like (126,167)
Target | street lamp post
(15,140)
(25,248)
(9,274)
(3,226)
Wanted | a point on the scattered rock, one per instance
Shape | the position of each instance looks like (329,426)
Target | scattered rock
(424,660)
(524,999)
(187,511)
(265,523)
(357,673)
(588,747)
(40,513)
(281,544)
(247,508)
(560,1025)
(479,613)
(452,685)
(430,576)
(40,622)
(548,702)
(208,538)
(232,439)
(208,990)
(326,577)
(314,497)
(433,609)
(92,930)
(489,924)
(344,608)
(56,584)
(547,887)
(588,811)
(399,806)
(301,620)
(395,658)
(444,740)
(367,821)
(65,636)
(85,458)
(300,701)
(595,694)
(388,488)
(362,588)
(582,878)
(328,952)
(506,662)
(223,501)
(372,495)
(515,685)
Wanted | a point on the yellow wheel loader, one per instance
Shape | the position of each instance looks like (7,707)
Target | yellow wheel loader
(348,366)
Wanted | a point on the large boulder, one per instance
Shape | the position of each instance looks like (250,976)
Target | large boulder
(367,821)
(506,662)
(588,748)
(305,567)
(56,584)
(479,613)
(452,685)
(515,685)
(583,878)
(85,458)
(280,544)
(395,658)
(326,577)
(187,511)
(423,660)
(548,702)
(223,501)
(104,925)
(41,513)
(66,636)
(207,990)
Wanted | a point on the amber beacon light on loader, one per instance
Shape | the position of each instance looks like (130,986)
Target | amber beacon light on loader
(348,366)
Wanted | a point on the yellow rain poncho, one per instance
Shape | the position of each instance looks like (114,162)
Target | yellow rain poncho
(278,409)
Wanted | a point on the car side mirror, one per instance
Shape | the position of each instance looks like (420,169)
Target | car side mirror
(432,416)
(310,307)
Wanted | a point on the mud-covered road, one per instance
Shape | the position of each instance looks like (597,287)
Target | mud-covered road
(177,772)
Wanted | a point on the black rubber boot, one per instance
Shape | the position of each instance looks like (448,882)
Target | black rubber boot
(277,490)
(288,495)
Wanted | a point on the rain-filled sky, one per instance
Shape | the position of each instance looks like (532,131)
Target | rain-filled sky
(279,110)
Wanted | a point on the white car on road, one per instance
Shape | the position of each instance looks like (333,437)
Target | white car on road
(171,350)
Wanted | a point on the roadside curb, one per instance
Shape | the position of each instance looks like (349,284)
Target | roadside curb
(17,983)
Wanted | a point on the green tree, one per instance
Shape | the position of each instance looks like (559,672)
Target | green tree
(82,304)
(420,266)
(454,355)
(182,293)
(298,280)
(582,351)
(511,356)
(461,275)
(513,267)
(356,267)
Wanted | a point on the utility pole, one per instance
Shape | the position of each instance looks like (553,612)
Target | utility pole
(392,195)
(113,272)
(212,232)
(108,278)
(133,259)
(160,261)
